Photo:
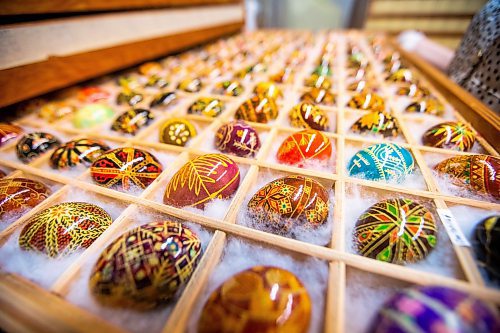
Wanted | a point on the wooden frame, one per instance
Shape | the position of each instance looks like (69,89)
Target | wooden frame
(339,260)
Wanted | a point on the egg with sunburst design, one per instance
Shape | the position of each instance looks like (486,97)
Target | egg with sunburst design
(367,101)
(376,122)
(307,145)
(237,138)
(19,194)
(306,115)
(258,109)
(450,135)
(318,96)
(75,152)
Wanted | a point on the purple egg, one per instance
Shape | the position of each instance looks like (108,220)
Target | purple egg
(237,138)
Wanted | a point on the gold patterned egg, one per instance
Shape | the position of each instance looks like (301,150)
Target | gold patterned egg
(377,122)
(268,89)
(306,115)
(428,105)
(258,109)
(450,135)
(177,131)
(367,101)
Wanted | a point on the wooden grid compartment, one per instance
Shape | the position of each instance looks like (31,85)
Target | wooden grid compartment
(223,228)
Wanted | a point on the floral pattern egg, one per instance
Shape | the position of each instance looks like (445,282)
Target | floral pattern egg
(124,167)
(486,244)
(318,96)
(55,111)
(73,153)
(382,162)
(201,180)
(450,135)
(268,89)
(435,309)
(306,115)
(229,88)
(258,109)
(210,107)
(190,85)
(427,105)
(32,145)
(317,81)
(176,131)
(377,122)
(303,146)
(477,173)
(92,94)
(91,115)
(367,101)
(237,138)
(64,228)
(276,302)
(289,202)
(131,121)
(164,100)
(146,266)
(18,194)
(401,75)
(9,132)
(395,230)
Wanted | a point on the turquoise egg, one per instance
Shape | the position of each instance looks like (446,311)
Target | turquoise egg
(382,162)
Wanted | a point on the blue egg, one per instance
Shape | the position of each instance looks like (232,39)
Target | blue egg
(383,161)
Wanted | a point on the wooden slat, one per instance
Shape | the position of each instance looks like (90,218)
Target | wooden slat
(23,82)
(424,15)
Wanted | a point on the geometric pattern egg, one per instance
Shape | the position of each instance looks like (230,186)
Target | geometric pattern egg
(73,153)
(436,309)
(306,115)
(303,146)
(259,299)
(177,131)
(131,121)
(123,167)
(287,202)
(450,135)
(91,115)
(377,122)
(383,161)
(32,145)
(64,228)
(146,266)
(486,244)
(237,138)
(260,109)
(9,132)
(17,194)
(203,179)
(395,230)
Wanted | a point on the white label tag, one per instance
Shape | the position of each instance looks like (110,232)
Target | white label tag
(456,235)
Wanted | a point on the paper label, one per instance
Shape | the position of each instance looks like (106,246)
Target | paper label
(456,235)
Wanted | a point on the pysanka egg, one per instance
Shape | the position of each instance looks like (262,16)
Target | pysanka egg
(450,135)
(202,179)
(91,115)
(32,145)
(258,109)
(427,105)
(9,132)
(413,90)
(56,110)
(145,266)
(318,81)
(401,75)
(229,88)
(150,68)
(210,107)
(124,167)
(190,85)
(306,145)
(259,299)
(382,162)
(486,244)
(131,121)
(268,89)
(64,228)
(72,153)
(436,309)
(17,194)
(287,202)
(177,131)
(92,94)
(129,96)
(163,100)
(318,96)
(376,122)
(395,230)
(306,115)
(237,138)
(367,101)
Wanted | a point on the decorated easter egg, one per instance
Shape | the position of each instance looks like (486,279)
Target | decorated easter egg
(486,244)
(128,83)
(318,96)
(237,138)
(367,101)
(177,131)
(477,173)
(450,135)
(190,85)
(259,299)
(427,105)
(229,88)
(317,81)
(156,81)
(130,97)
(306,145)
(92,94)
(382,162)
(395,230)
(55,111)
(285,75)
(268,89)
(202,179)
(123,167)
(32,145)
(323,70)
(9,132)
(145,266)
(64,228)
(413,90)
(435,309)
(287,202)
(258,109)
(376,122)
(131,121)
(401,75)
(72,153)
(361,86)
(163,100)
(91,115)
(18,194)
(307,115)
(150,68)
(210,107)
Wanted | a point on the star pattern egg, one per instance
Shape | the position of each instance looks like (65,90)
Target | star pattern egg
(131,121)
(229,88)
(377,122)
(163,100)
(427,105)
(287,202)
(318,96)
(486,245)
(367,101)
(258,109)
(395,230)
(32,145)
(276,302)
(9,132)
(18,194)
(382,162)
(268,89)
(210,107)
(450,135)
(73,153)
(303,146)
(477,173)
(190,85)
(237,138)
(91,115)
(124,167)
(64,228)
(435,309)
(177,131)
(201,180)
(306,115)
(145,266)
